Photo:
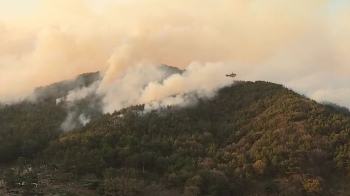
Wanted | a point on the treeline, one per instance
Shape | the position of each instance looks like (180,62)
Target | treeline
(27,128)
(253,138)
(61,89)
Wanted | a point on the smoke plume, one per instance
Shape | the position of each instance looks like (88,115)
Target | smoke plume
(84,119)
(69,123)
(301,44)
(81,93)
(150,84)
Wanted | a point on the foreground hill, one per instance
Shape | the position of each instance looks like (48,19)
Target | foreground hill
(27,127)
(253,138)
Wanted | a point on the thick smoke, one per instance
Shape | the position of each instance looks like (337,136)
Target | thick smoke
(81,93)
(302,44)
(157,86)
(150,84)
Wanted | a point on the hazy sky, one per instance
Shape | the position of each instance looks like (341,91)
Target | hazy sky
(11,8)
(301,44)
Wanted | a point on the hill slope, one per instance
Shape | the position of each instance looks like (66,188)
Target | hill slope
(28,126)
(253,138)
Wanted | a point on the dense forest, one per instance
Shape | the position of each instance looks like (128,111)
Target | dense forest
(253,138)
(27,127)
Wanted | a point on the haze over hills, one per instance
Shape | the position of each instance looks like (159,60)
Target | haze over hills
(251,134)
(132,126)
(50,41)
(87,95)
(62,88)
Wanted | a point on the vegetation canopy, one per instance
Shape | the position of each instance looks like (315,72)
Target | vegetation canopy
(253,138)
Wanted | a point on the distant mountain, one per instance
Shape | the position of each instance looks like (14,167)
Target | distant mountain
(337,107)
(171,69)
(61,89)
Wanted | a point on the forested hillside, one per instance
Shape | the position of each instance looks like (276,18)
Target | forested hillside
(253,138)
(27,127)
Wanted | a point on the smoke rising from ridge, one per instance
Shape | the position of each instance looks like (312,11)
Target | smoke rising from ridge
(280,41)
(147,83)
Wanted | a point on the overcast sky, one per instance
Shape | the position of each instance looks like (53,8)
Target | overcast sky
(301,44)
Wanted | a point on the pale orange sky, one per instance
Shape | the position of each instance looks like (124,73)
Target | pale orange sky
(301,44)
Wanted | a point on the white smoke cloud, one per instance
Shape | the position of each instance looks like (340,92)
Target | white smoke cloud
(59,100)
(339,96)
(127,88)
(81,93)
(73,120)
(204,79)
(69,123)
(181,100)
(147,83)
(84,119)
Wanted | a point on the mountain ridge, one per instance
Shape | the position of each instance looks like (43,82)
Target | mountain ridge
(252,134)
(234,131)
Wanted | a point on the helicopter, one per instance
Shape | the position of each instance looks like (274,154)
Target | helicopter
(231,75)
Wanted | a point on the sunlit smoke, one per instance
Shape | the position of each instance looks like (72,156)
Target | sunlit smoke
(146,83)
(280,41)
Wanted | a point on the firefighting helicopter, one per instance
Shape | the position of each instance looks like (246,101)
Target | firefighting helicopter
(231,75)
